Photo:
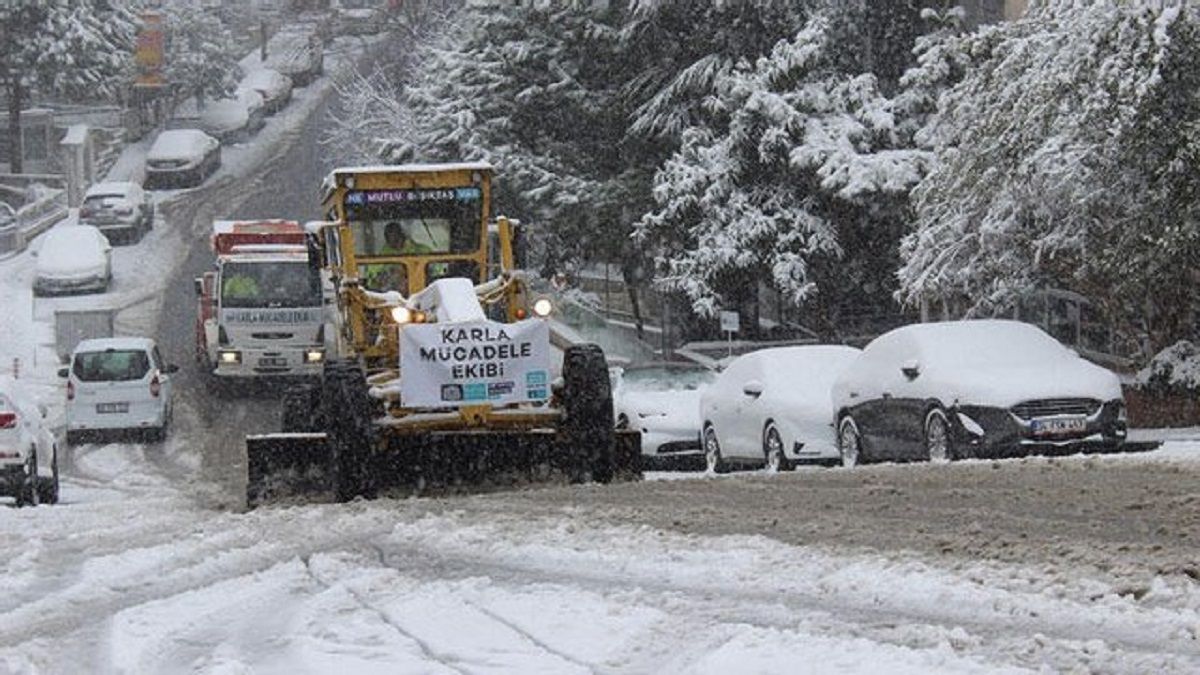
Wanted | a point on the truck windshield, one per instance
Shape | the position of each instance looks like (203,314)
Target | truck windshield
(270,284)
(415,222)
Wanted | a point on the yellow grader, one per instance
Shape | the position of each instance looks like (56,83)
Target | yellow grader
(445,371)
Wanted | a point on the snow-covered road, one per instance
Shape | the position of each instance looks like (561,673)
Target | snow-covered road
(136,573)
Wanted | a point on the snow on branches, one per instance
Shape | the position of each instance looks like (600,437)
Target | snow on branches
(1066,157)
(797,154)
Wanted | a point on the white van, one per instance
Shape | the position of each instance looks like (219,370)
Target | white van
(118,384)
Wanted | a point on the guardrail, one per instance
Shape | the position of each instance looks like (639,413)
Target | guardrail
(31,220)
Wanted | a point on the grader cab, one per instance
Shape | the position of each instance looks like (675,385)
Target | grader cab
(445,371)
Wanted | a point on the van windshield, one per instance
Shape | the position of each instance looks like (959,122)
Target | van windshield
(272,284)
(114,365)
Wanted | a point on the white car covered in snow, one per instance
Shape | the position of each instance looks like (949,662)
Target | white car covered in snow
(771,408)
(28,450)
(233,119)
(272,85)
(662,401)
(72,259)
(118,384)
(121,210)
(181,158)
(960,389)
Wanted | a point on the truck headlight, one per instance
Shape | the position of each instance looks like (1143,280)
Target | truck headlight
(314,356)
(542,307)
(230,356)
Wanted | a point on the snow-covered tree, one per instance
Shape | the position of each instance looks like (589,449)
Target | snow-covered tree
(79,49)
(1067,157)
(201,56)
(799,180)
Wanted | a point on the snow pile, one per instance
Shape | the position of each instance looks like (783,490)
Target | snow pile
(1176,368)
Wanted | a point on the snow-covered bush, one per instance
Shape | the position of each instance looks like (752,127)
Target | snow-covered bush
(1175,369)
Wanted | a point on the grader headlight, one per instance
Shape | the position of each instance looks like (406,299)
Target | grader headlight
(542,307)
(402,315)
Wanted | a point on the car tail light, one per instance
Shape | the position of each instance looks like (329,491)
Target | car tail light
(70,390)
(155,386)
(125,212)
(8,420)
(86,213)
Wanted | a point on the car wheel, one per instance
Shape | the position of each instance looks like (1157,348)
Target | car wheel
(849,442)
(775,459)
(713,461)
(937,437)
(29,494)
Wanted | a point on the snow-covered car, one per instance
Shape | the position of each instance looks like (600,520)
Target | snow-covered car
(72,259)
(272,85)
(771,408)
(121,210)
(118,384)
(985,388)
(662,401)
(296,51)
(233,119)
(182,158)
(28,450)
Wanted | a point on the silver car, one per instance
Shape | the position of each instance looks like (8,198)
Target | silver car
(121,210)
(72,259)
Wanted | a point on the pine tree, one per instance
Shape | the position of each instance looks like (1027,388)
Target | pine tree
(201,56)
(798,180)
(77,50)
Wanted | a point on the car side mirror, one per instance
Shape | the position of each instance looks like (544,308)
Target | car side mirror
(911,369)
(199,285)
(171,369)
(64,372)
(752,388)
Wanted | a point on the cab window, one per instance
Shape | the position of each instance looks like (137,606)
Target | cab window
(415,222)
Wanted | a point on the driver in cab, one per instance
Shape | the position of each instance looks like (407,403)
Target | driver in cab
(393,276)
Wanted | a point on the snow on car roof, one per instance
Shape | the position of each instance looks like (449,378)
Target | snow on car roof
(981,339)
(225,113)
(65,236)
(263,77)
(112,188)
(178,144)
(102,344)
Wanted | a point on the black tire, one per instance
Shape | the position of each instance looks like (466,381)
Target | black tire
(301,409)
(781,462)
(347,408)
(587,428)
(74,438)
(714,461)
(28,494)
(849,442)
(939,444)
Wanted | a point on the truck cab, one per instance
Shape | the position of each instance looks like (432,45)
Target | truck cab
(262,309)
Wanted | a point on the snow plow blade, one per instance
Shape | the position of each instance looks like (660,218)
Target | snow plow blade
(281,465)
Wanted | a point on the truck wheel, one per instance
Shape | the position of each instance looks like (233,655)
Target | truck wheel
(301,409)
(587,428)
(347,409)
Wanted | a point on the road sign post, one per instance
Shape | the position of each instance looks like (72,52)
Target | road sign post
(731,322)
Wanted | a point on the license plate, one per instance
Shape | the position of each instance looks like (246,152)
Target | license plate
(107,408)
(273,363)
(1058,426)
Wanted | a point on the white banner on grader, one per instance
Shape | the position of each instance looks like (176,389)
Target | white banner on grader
(477,362)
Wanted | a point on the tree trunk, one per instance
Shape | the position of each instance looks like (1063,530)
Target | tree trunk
(630,277)
(15,161)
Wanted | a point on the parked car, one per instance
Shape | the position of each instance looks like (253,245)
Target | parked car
(771,408)
(28,449)
(72,259)
(662,401)
(118,384)
(961,389)
(122,211)
(296,51)
(182,158)
(272,85)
